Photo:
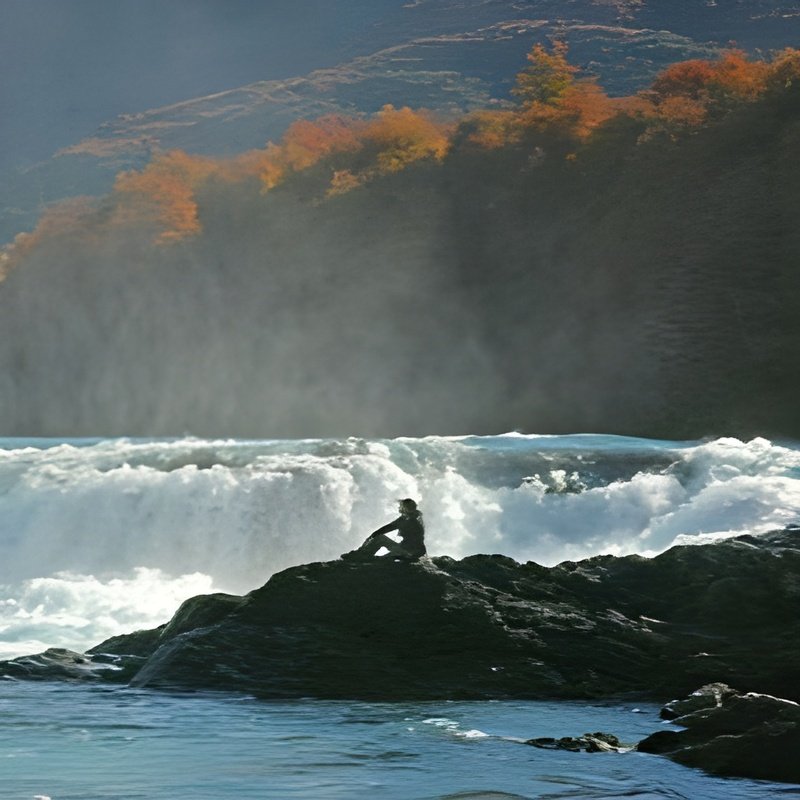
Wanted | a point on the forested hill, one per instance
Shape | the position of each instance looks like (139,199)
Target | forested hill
(576,263)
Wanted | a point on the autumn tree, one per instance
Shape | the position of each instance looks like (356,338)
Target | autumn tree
(547,76)
(553,97)
(689,93)
(163,193)
(783,74)
(403,136)
(306,143)
(492,130)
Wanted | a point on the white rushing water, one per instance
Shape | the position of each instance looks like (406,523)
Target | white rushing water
(99,538)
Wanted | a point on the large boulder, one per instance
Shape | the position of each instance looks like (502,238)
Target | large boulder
(743,735)
(484,627)
(395,630)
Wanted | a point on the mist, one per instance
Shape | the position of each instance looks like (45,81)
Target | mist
(391,277)
(285,323)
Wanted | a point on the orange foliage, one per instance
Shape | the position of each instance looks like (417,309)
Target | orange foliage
(164,193)
(581,108)
(682,112)
(587,106)
(738,77)
(305,143)
(392,140)
(272,168)
(784,71)
(685,94)
(402,136)
(683,97)
(685,79)
(344,181)
(492,130)
(243,167)
(578,111)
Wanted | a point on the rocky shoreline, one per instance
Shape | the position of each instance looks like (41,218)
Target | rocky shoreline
(487,627)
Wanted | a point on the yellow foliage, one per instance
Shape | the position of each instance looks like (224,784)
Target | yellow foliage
(164,193)
(402,136)
(784,71)
(682,97)
(492,130)
(305,143)
(547,76)
(586,106)
(343,181)
(578,111)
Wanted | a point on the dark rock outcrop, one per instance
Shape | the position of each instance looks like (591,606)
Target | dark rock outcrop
(710,696)
(740,735)
(484,627)
(60,664)
(588,743)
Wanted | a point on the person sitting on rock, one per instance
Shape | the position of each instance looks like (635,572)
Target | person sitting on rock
(412,533)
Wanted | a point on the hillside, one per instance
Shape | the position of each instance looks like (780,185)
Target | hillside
(577,262)
(441,54)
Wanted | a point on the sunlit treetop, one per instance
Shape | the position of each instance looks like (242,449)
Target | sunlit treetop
(558,111)
(547,77)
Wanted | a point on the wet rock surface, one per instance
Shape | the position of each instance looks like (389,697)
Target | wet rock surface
(58,663)
(598,742)
(482,627)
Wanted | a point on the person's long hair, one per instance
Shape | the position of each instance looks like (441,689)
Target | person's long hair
(409,508)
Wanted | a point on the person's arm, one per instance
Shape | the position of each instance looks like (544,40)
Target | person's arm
(390,526)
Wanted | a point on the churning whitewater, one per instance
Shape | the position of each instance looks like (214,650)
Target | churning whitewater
(101,537)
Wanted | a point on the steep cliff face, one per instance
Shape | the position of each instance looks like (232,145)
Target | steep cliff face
(483,627)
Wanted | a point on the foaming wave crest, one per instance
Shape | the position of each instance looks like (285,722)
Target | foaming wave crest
(68,610)
(101,537)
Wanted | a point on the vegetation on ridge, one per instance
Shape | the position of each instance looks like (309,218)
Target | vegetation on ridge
(555,103)
(572,261)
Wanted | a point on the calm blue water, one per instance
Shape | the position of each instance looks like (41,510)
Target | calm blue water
(72,742)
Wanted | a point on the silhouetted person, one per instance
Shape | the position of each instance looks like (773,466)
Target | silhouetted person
(412,534)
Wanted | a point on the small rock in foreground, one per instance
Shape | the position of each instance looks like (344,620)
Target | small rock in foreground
(588,743)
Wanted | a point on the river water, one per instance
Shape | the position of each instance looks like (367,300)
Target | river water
(72,742)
